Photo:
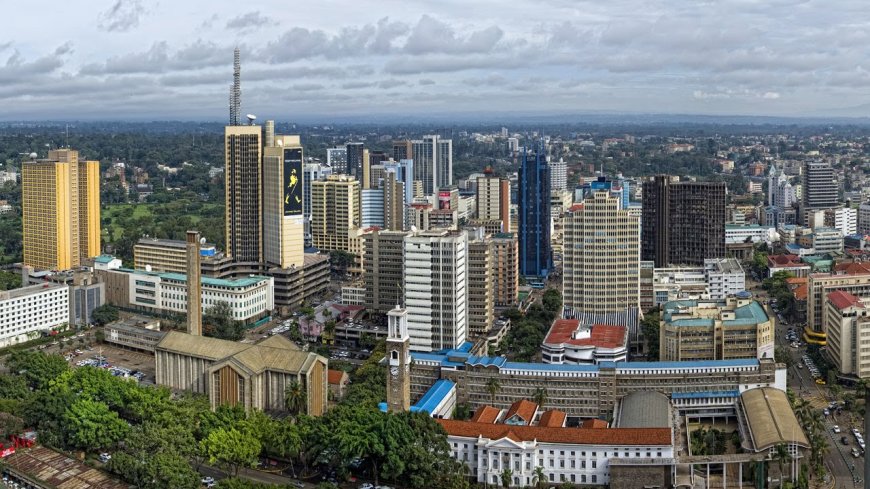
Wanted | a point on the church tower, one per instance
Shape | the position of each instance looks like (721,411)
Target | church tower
(399,359)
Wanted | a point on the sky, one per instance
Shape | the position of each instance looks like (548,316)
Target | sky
(325,60)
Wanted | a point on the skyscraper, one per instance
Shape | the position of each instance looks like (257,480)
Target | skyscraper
(354,160)
(244,194)
(335,210)
(283,202)
(435,286)
(433,162)
(61,210)
(601,257)
(683,223)
(403,150)
(820,188)
(536,257)
(493,199)
(394,202)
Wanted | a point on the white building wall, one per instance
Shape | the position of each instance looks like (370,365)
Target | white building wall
(31,309)
(846,220)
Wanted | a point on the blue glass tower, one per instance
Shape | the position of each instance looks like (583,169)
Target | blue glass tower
(533,199)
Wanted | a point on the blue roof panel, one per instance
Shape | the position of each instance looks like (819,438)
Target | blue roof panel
(433,397)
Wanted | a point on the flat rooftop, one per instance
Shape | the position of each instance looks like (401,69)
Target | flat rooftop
(29,290)
(571,332)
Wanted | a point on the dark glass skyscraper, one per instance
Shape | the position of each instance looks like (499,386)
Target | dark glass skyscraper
(533,198)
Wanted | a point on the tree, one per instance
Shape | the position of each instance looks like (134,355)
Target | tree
(295,398)
(540,396)
(781,455)
(493,386)
(552,300)
(91,425)
(105,314)
(650,329)
(507,476)
(231,448)
(10,425)
(539,479)
(218,322)
(36,367)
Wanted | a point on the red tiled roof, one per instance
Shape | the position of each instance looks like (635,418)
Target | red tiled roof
(578,436)
(854,268)
(801,291)
(796,280)
(594,424)
(486,414)
(842,299)
(334,376)
(785,261)
(524,409)
(553,419)
(575,207)
(603,335)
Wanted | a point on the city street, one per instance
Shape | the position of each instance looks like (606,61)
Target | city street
(839,461)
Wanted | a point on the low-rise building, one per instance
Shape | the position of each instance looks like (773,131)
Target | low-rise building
(338,381)
(787,263)
(571,342)
(135,333)
(735,328)
(165,255)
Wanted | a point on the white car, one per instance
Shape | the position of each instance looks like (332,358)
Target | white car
(105,457)
(836,429)
(207,480)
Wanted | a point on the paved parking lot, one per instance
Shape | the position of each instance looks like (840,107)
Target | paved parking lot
(132,360)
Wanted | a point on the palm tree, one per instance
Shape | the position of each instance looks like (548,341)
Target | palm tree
(781,455)
(294,398)
(540,396)
(506,477)
(493,386)
(539,479)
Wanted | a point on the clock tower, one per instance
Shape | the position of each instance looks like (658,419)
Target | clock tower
(399,361)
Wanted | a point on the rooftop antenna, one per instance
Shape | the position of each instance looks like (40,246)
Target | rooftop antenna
(236,90)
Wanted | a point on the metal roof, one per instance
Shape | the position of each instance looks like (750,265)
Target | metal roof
(770,418)
(644,409)
(434,396)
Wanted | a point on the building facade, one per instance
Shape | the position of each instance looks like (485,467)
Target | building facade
(383,261)
(29,311)
(848,333)
(558,175)
(283,203)
(533,198)
(683,222)
(310,173)
(435,289)
(736,328)
(335,212)
(433,162)
(164,255)
(819,188)
(481,300)
(243,151)
(493,200)
(601,256)
(60,200)
(506,276)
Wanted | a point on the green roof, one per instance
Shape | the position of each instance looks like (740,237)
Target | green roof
(104,258)
(747,315)
(216,282)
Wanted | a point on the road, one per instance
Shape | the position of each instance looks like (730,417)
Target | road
(839,460)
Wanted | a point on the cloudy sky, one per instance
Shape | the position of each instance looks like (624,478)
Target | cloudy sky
(328,59)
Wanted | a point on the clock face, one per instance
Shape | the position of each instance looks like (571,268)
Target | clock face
(394,371)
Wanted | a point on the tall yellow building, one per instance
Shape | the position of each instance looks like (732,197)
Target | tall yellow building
(61,210)
(283,226)
(334,212)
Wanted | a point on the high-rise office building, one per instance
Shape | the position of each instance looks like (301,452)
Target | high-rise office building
(435,288)
(60,199)
(536,257)
(394,202)
(433,162)
(283,202)
(493,199)
(310,173)
(403,150)
(335,211)
(336,158)
(819,189)
(244,193)
(354,155)
(480,301)
(383,270)
(601,256)
(558,175)
(372,208)
(683,223)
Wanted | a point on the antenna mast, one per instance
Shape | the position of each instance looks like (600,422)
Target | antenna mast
(236,89)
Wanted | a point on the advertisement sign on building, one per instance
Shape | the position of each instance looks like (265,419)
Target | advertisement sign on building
(293,181)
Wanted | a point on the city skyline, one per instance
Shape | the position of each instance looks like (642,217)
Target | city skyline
(333,60)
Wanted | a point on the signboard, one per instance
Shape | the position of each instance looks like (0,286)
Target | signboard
(444,200)
(293,181)
(7,452)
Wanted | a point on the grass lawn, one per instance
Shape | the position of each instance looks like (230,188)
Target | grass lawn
(114,211)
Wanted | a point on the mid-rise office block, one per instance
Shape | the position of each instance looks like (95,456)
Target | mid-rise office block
(243,150)
(724,277)
(736,328)
(383,260)
(165,255)
(493,200)
(394,202)
(60,200)
(481,301)
(864,218)
(32,309)
(848,335)
(505,265)
(533,197)
(558,175)
(310,173)
(336,157)
(435,286)
(433,162)
(354,163)
(372,208)
(283,204)
(335,211)
(683,222)
(601,257)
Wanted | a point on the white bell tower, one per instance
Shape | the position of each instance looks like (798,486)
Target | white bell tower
(399,361)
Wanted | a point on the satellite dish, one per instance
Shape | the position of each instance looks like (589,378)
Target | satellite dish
(202,240)
(33,156)
(251,118)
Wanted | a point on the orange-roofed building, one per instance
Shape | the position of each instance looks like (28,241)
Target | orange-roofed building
(593,424)
(486,414)
(788,263)
(337,380)
(521,413)
(577,455)
(570,342)
(553,419)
